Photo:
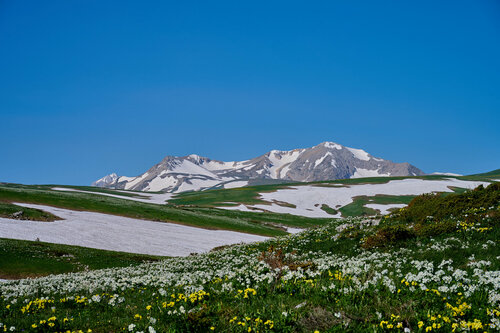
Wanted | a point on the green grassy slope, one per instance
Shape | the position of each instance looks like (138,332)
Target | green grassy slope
(250,194)
(256,223)
(9,210)
(124,193)
(350,275)
(22,259)
(357,208)
(196,208)
(225,197)
(490,174)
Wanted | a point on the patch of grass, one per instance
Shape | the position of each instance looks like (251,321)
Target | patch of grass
(133,194)
(225,197)
(357,207)
(388,235)
(284,204)
(22,259)
(328,209)
(484,175)
(270,219)
(12,211)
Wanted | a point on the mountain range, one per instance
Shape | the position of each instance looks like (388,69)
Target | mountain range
(326,161)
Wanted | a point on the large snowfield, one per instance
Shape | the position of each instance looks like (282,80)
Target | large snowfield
(308,199)
(117,233)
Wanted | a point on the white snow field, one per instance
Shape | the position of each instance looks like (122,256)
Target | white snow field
(359,154)
(294,230)
(363,173)
(117,233)
(446,174)
(156,198)
(308,199)
(241,207)
(302,210)
(235,184)
(384,209)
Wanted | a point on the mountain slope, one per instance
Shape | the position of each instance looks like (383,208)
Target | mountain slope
(405,273)
(326,161)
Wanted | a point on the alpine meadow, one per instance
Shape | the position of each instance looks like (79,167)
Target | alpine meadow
(249,167)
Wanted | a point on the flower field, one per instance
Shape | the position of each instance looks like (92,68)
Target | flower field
(354,274)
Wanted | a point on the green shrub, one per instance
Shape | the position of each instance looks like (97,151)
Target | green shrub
(437,228)
(388,235)
(422,207)
(435,214)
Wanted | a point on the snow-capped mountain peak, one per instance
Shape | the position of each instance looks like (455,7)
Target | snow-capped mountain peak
(106,180)
(331,145)
(326,161)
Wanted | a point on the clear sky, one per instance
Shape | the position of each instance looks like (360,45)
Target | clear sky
(92,87)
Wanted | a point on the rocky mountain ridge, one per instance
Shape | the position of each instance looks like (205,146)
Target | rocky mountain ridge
(326,161)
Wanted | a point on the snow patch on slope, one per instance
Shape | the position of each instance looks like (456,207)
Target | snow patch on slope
(218,166)
(118,233)
(109,179)
(359,154)
(236,184)
(320,160)
(188,167)
(135,181)
(363,173)
(125,179)
(157,184)
(280,159)
(308,199)
(241,208)
(332,145)
(384,209)
(197,184)
(301,211)
(446,174)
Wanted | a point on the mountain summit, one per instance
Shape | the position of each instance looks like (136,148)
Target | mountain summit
(326,161)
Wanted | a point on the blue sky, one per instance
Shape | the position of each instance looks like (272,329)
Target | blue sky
(92,87)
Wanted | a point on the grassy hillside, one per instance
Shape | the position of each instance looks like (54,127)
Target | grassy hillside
(406,272)
(250,194)
(22,259)
(256,223)
(357,207)
(430,215)
(12,211)
(491,174)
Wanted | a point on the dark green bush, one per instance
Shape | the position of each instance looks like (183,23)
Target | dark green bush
(442,207)
(434,214)
(438,228)
(388,235)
